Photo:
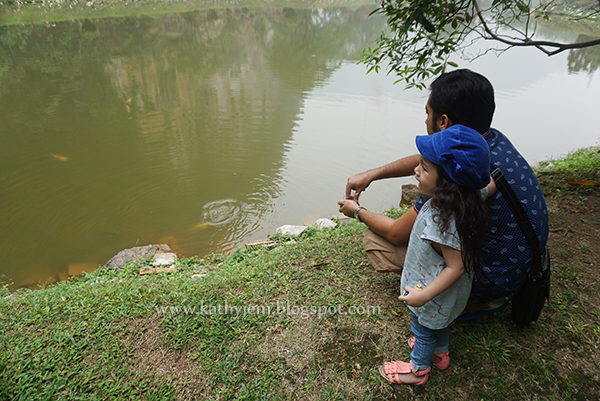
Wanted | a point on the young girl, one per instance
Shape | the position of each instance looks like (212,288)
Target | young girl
(444,245)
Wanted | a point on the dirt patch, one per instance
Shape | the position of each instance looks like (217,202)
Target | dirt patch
(156,362)
(351,351)
(574,243)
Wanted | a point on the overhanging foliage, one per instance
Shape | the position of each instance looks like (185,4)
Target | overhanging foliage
(425,33)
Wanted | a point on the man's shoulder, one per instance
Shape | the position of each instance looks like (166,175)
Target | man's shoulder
(518,174)
(496,140)
(503,152)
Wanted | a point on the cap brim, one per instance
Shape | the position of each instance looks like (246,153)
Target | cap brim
(426,147)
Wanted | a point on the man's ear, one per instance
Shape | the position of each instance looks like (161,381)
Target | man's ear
(444,122)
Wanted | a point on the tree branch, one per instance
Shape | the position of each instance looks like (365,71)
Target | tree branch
(426,33)
(526,42)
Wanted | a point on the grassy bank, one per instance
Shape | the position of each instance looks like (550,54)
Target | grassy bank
(206,331)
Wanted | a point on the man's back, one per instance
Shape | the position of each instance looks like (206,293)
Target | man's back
(506,257)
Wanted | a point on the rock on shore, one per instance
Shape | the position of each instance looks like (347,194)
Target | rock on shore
(132,254)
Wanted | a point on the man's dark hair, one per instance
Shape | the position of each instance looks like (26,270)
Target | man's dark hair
(466,97)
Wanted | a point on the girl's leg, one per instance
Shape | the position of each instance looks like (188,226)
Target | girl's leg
(441,358)
(417,370)
(442,341)
(425,344)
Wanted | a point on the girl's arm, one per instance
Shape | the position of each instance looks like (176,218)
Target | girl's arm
(447,277)
(491,187)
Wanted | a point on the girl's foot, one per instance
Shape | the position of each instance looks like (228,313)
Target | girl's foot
(398,372)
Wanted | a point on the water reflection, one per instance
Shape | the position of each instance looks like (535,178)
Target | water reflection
(586,59)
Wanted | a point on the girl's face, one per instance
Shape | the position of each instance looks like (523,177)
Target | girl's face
(427,175)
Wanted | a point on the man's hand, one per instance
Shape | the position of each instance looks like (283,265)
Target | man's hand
(348,206)
(400,168)
(357,183)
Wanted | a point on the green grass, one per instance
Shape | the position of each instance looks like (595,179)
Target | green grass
(585,162)
(582,164)
(83,339)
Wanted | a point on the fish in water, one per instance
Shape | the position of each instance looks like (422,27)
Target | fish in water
(58,157)
(203,225)
(128,101)
(208,224)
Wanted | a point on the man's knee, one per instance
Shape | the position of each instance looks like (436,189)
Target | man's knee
(383,255)
(381,262)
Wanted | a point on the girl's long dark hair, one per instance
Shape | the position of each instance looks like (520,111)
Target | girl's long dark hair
(470,213)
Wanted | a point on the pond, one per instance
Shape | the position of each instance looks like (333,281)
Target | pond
(208,129)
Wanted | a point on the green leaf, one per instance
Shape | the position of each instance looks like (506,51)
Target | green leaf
(427,25)
(523,7)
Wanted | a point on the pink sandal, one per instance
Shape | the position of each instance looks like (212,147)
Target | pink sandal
(444,358)
(391,371)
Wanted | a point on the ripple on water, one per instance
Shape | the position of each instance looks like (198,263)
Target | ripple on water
(221,211)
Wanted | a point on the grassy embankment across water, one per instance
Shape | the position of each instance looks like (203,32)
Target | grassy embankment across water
(13,12)
(308,319)
(54,11)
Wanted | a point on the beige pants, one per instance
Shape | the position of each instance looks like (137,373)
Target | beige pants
(384,256)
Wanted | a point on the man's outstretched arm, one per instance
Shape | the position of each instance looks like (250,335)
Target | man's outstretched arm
(400,168)
(395,231)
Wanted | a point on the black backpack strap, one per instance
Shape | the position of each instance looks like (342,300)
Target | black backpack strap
(522,219)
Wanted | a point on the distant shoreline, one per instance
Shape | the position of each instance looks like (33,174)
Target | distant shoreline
(38,13)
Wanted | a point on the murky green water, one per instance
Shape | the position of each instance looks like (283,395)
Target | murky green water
(208,129)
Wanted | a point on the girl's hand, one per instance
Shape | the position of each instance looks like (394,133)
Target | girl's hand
(414,297)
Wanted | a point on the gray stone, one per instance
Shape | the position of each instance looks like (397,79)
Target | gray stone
(325,223)
(290,230)
(263,243)
(132,254)
(410,194)
(164,258)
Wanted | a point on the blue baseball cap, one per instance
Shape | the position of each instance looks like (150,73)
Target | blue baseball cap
(462,152)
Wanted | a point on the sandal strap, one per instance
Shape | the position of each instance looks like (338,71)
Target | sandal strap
(397,367)
(394,378)
(400,367)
